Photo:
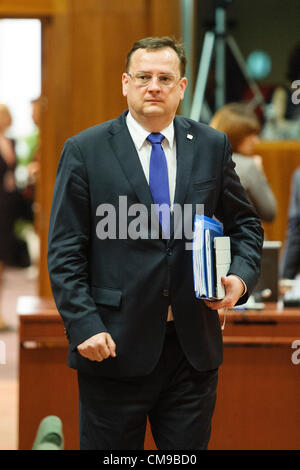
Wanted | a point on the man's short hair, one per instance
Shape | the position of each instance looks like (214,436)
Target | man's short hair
(156,43)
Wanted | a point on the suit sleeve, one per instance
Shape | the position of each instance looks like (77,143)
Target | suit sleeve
(68,246)
(241,223)
(290,262)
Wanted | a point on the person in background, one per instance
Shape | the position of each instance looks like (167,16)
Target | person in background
(290,261)
(28,159)
(242,127)
(27,173)
(7,197)
(38,105)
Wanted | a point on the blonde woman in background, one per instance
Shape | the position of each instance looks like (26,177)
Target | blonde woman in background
(243,129)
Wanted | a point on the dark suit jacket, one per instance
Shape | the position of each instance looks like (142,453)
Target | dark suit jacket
(125,286)
(290,262)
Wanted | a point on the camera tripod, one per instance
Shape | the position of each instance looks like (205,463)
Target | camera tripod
(217,40)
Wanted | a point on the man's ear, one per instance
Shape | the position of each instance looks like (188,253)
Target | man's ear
(183,84)
(124,84)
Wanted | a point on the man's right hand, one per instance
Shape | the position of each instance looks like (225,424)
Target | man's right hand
(98,347)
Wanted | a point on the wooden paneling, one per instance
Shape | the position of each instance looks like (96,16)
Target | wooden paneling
(56,124)
(164,18)
(33,8)
(102,34)
(280,159)
(115,7)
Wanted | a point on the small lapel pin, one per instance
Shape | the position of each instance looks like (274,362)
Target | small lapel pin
(189,136)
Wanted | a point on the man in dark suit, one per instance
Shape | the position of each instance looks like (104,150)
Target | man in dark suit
(142,343)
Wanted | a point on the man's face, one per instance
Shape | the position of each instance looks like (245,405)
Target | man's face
(147,103)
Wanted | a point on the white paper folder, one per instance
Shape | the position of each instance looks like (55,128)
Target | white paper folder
(222,263)
(222,243)
(223,257)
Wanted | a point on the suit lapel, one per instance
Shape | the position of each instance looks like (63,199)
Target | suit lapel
(128,158)
(185,150)
(185,145)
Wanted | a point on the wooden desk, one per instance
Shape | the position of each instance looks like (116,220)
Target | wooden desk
(258,392)
(47,386)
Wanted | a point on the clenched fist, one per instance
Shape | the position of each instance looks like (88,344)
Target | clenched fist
(98,347)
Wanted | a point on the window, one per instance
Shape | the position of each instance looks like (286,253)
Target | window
(20,70)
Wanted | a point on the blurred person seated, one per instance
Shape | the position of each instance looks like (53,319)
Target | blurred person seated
(283,113)
(290,261)
(243,128)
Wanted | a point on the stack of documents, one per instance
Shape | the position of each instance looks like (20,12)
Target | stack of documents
(211,257)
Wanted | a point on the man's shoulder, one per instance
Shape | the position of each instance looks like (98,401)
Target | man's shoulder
(94,132)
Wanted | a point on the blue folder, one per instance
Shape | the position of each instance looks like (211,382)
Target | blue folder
(205,230)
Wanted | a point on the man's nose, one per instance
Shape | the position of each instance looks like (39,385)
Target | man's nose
(154,83)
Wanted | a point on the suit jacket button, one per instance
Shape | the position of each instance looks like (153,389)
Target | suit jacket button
(165,293)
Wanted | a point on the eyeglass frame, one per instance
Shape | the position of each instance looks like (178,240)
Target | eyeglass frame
(155,75)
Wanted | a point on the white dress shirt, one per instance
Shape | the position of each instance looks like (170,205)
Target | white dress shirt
(143,146)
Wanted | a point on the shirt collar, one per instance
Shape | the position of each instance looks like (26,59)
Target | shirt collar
(139,134)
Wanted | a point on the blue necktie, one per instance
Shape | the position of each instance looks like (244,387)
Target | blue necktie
(159,181)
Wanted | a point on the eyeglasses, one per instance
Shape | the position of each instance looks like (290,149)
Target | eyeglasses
(164,79)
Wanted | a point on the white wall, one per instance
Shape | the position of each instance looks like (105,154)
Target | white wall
(20,70)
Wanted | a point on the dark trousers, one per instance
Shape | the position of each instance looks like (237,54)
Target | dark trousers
(178,400)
